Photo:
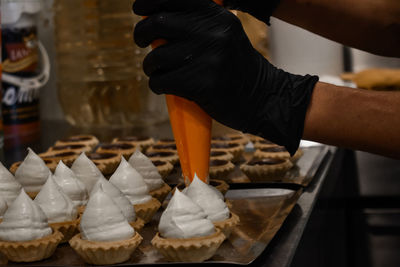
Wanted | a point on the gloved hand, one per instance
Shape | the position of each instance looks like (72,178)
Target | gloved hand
(260,9)
(209,59)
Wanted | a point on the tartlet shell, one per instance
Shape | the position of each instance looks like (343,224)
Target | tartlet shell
(147,210)
(196,249)
(100,253)
(30,251)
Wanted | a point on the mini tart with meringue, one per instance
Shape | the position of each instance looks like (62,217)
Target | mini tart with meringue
(9,186)
(220,185)
(220,168)
(213,204)
(108,160)
(32,173)
(235,149)
(133,186)
(25,235)
(275,152)
(164,167)
(86,171)
(184,232)
(123,149)
(266,169)
(106,236)
(68,157)
(143,142)
(87,140)
(60,211)
(156,185)
(221,155)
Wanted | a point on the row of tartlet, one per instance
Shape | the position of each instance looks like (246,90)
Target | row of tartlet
(115,244)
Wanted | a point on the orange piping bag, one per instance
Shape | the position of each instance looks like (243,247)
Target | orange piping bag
(191,127)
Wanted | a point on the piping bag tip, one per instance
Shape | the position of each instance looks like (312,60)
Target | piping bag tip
(192,132)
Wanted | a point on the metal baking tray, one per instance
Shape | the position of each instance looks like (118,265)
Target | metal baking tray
(261,212)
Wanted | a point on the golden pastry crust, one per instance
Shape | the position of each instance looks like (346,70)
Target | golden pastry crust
(254,138)
(29,251)
(166,141)
(32,195)
(169,156)
(52,165)
(266,169)
(164,167)
(101,253)
(138,224)
(197,249)
(220,168)
(261,144)
(67,229)
(108,161)
(143,142)
(161,193)
(147,210)
(221,155)
(226,226)
(123,149)
(84,139)
(77,148)
(235,149)
(276,152)
(231,138)
(68,157)
(162,148)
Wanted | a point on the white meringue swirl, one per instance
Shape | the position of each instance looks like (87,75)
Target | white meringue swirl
(86,171)
(9,186)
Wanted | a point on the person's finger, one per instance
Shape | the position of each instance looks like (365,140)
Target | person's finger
(149,7)
(163,25)
(168,57)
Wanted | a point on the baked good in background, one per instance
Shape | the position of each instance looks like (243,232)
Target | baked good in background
(266,169)
(68,157)
(69,183)
(221,155)
(144,165)
(25,235)
(235,149)
(106,236)
(264,143)
(169,156)
(32,173)
(133,186)
(77,148)
(162,148)
(231,138)
(109,160)
(82,139)
(9,186)
(61,213)
(123,149)
(379,79)
(220,168)
(140,141)
(164,167)
(184,232)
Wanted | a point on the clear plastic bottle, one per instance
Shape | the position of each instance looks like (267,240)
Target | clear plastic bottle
(99,68)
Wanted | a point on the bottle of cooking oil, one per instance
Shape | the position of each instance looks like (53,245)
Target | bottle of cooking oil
(99,68)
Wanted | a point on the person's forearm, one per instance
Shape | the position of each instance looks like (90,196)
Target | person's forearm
(369,25)
(354,118)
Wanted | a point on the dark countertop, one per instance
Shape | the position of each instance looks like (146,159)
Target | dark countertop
(282,248)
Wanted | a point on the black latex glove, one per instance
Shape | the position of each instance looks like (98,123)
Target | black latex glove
(209,59)
(260,9)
